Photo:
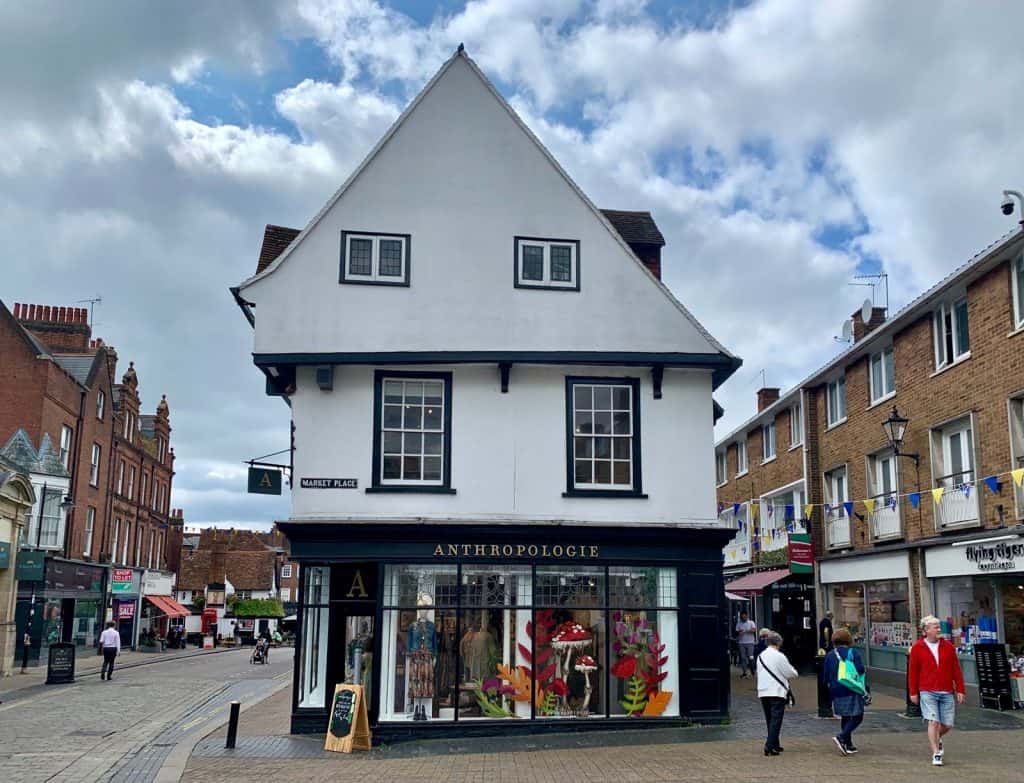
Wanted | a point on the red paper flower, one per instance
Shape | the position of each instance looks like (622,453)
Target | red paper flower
(558,687)
(624,667)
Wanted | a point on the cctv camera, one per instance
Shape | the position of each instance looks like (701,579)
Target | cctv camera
(1007,206)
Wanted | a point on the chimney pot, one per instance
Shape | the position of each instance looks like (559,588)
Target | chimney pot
(767,396)
(17,310)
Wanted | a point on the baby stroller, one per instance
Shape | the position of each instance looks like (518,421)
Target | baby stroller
(259,652)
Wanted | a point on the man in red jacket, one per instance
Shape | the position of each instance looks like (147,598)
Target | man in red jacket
(934,677)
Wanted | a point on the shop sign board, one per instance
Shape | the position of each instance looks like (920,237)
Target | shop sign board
(801,554)
(329,483)
(121,580)
(264,481)
(61,664)
(156,583)
(29,567)
(979,557)
(349,727)
(125,610)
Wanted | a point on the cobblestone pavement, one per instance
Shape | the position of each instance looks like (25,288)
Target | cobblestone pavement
(121,730)
(986,744)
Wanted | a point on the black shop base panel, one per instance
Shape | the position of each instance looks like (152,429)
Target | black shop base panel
(356,558)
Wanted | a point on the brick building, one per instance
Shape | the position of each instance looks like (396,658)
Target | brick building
(72,428)
(933,529)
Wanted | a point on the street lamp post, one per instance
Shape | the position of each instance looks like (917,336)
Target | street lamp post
(895,428)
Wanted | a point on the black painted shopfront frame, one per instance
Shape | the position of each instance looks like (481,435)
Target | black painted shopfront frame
(695,553)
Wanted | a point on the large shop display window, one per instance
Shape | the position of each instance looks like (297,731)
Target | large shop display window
(848,611)
(516,642)
(1013,613)
(315,613)
(967,609)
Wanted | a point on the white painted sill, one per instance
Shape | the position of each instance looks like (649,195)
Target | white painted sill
(741,475)
(719,486)
(1018,330)
(796,446)
(839,423)
(770,459)
(956,363)
(881,400)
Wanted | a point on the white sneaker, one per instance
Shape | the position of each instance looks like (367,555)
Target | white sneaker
(937,760)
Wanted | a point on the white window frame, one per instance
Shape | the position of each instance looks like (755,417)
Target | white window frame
(941,444)
(375,277)
(633,458)
(883,481)
(131,482)
(66,435)
(120,479)
(884,373)
(286,571)
(1017,275)
(127,541)
(1015,405)
(742,465)
(139,533)
(768,439)
(114,540)
(777,521)
(836,495)
(835,398)
(546,281)
(947,355)
(90,524)
(152,543)
(796,425)
(94,465)
(101,404)
(721,468)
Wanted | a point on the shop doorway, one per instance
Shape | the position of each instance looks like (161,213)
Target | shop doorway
(793,615)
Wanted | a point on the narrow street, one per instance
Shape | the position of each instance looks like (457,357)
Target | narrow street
(124,729)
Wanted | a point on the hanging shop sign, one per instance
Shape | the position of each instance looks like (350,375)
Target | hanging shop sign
(121,580)
(329,483)
(29,567)
(264,481)
(556,551)
(801,554)
(5,555)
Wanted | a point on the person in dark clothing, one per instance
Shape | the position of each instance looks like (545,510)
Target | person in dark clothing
(846,703)
(825,632)
(110,643)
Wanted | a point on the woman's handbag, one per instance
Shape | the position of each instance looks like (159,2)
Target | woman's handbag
(848,676)
(790,698)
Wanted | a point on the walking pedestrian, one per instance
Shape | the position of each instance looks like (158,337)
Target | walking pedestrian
(825,632)
(745,630)
(110,643)
(935,682)
(26,646)
(773,674)
(847,703)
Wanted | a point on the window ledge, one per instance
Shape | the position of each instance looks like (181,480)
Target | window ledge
(770,459)
(604,493)
(881,400)
(836,424)
(741,475)
(955,363)
(426,489)
(721,484)
(1018,330)
(796,446)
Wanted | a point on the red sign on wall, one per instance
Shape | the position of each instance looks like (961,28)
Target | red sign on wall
(126,610)
(801,554)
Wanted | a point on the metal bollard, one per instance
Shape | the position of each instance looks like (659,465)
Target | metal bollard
(911,710)
(824,696)
(233,724)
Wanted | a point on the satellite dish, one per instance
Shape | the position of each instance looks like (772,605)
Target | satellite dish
(865,310)
(847,330)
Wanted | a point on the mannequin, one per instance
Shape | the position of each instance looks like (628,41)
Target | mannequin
(421,652)
(478,649)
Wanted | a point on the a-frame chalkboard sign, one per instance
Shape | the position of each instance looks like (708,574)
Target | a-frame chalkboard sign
(349,726)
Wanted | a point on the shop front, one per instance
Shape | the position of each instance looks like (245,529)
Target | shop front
(125,595)
(977,588)
(870,597)
(456,630)
(783,601)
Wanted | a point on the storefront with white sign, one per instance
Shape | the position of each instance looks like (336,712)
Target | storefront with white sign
(978,592)
(870,596)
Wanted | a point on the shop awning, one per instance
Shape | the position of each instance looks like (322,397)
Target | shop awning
(734,597)
(168,606)
(753,584)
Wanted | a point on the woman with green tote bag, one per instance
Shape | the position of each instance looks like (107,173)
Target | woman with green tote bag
(844,674)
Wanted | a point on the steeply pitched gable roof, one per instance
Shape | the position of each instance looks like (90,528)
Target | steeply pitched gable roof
(637,228)
(78,366)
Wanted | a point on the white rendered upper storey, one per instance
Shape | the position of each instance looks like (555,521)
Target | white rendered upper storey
(460,247)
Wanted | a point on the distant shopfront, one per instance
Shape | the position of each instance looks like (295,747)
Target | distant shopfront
(977,588)
(783,601)
(125,595)
(870,596)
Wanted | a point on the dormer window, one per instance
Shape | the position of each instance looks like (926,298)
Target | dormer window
(375,259)
(547,263)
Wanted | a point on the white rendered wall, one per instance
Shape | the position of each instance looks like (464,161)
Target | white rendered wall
(508,450)
(463,179)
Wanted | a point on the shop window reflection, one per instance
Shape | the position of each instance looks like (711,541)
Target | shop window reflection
(314,633)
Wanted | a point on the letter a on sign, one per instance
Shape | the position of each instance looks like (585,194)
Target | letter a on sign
(358,589)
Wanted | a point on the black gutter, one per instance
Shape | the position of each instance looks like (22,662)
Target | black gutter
(70,518)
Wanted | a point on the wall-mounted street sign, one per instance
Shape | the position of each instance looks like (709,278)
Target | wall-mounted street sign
(264,481)
(29,566)
(329,483)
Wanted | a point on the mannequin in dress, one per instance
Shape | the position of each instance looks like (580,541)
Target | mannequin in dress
(421,653)
(478,649)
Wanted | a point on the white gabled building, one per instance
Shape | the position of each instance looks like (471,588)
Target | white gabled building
(502,428)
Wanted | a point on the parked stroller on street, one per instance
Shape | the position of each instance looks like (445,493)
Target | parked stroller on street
(260,652)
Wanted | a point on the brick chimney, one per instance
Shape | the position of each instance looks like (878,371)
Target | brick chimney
(218,561)
(61,329)
(767,396)
(861,329)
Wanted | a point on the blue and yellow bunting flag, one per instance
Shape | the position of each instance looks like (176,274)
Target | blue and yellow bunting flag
(848,505)
(993,484)
(915,499)
(869,504)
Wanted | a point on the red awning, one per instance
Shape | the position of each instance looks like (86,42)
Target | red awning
(753,584)
(168,606)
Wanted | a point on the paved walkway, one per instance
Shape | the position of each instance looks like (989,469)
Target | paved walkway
(986,746)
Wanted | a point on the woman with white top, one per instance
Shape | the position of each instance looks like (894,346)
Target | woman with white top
(773,673)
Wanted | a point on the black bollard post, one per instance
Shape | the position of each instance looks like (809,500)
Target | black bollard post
(911,710)
(233,724)
(824,697)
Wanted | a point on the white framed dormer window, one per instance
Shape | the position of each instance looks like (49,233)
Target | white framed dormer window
(836,400)
(412,432)
(952,333)
(1018,291)
(721,471)
(94,465)
(101,403)
(741,457)
(547,263)
(882,375)
(796,425)
(603,437)
(768,441)
(376,259)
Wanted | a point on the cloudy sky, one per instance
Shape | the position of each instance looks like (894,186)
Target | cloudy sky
(783,146)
